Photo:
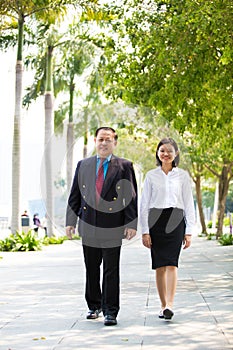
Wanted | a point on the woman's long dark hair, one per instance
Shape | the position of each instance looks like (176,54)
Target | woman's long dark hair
(172,142)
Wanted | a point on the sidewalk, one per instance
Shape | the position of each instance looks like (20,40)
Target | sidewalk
(42,304)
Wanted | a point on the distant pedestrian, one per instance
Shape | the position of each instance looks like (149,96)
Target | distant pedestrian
(37,223)
(44,223)
(25,221)
(167,219)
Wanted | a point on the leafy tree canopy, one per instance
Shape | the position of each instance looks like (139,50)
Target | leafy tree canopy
(175,57)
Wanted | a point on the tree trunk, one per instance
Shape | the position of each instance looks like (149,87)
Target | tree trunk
(70,137)
(215,211)
(49,126)
(48,161)
(199,203)
(16,152)
(85,134)
(224,181)
(69,154)
(16,149)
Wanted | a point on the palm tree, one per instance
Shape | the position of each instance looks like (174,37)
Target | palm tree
(77,57)
(76,53)
(54,75)
(49,124)
(14,14)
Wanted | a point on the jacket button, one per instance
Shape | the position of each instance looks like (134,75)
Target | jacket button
(110,209)
(84,186)
(118,187)
(114,198)
(84,208)
(84,196)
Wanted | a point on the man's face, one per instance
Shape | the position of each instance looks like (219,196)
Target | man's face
(105,143)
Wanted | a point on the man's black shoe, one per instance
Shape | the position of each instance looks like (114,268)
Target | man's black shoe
(93,314)
(110,320)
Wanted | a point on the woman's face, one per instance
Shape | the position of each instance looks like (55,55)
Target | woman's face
(167,153)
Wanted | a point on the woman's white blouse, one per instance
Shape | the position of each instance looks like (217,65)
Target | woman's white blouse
(166,191)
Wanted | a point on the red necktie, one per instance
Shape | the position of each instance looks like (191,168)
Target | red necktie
(99,180)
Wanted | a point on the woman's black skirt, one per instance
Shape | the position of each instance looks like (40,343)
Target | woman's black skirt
(167,229)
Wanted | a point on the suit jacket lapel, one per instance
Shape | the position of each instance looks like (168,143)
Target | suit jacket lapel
(88,177)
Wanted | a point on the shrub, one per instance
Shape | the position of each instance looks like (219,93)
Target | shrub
(54,240)
(226,221)
(226,239)
(21,242)
(211,236)
(209,224)
(28,242)
(7,244)
(57,240)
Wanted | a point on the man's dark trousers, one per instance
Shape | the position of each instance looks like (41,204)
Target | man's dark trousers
(109,301)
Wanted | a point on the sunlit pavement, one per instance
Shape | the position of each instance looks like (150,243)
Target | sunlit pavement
(42,302)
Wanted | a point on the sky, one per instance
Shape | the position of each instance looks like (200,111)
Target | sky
(32,141)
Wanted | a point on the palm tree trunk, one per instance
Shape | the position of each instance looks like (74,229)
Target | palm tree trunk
(16,149)
(49,126)
(69,154)
(70,138)
(85,134)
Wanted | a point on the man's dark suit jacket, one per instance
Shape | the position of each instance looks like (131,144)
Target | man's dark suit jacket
(117,209)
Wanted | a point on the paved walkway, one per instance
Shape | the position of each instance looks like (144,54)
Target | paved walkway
(42,304)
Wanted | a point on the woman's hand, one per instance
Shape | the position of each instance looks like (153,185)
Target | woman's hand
(146,240)
(187,241)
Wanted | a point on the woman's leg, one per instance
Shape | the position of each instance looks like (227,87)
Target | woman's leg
(171,282)
(166,281)
(161,282)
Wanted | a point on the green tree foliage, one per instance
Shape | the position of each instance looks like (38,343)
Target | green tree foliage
(176,57)
(173,56)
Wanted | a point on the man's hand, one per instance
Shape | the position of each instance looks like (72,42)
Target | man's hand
(69,231)
(130,233)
